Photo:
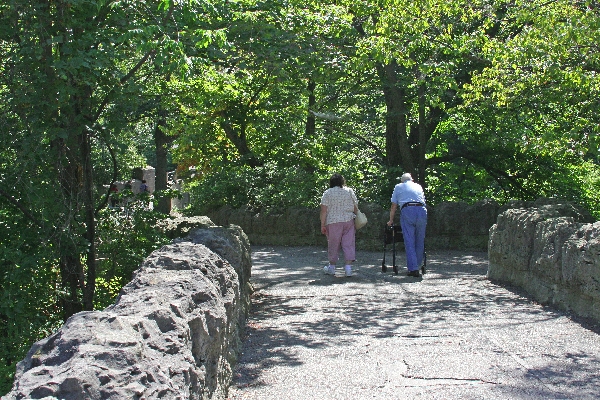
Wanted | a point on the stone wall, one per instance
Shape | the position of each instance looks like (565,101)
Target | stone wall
(552,250)
(457,226)
(173,332)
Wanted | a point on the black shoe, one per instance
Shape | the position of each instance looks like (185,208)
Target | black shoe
(414,273)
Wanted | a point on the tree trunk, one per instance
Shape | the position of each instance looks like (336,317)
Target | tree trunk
(69,174)
(421,146)
(90,220)
(161,141)
(311,123)
(398,152)
(71,273)
(240,143)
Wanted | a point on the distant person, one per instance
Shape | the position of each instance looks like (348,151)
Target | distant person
(144,187)
(112,191)
(409,196)
(338,208)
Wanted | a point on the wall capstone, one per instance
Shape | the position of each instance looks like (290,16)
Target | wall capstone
(173,333)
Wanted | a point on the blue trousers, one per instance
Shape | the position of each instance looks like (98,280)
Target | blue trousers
(414,221)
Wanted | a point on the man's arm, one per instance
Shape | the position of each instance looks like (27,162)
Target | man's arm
(393,209)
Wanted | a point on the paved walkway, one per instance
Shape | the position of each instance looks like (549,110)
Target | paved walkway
(450,335)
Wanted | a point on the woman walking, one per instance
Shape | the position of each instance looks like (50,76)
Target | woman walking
(338,210)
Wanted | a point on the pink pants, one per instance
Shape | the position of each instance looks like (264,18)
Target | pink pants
(341,234)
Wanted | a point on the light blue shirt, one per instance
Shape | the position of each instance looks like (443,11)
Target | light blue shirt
(408,192)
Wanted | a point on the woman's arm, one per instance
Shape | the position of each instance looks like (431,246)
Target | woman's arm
(323,219)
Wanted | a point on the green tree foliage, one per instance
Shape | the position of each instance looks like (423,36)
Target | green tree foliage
(126,236)
(280,101)
(28,291)
(535,107)
(257,103)
(72,74)
(435,75)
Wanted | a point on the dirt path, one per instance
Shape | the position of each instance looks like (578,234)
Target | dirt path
(451,335)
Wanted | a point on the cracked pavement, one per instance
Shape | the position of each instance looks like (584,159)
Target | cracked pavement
(452,334)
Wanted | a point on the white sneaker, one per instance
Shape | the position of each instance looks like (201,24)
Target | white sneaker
(329,269)
(348,270)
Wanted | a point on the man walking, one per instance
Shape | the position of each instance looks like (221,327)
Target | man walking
(409,196)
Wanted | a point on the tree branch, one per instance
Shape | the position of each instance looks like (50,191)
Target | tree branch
(115,165)
(499,175)
(22,208)
(122,81)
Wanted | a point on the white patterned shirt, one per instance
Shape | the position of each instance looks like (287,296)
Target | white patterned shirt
(340,204)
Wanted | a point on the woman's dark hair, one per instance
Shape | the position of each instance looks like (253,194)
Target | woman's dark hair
(336,180)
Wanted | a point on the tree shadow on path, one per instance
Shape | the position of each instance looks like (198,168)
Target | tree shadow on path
(300,315)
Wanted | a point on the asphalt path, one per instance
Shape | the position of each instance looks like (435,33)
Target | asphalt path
(452,334)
